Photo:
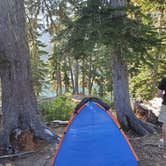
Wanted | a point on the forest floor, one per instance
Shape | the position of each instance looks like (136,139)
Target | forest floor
(146,148)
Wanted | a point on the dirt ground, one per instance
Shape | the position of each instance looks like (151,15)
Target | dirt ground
(148,151)
(146,148)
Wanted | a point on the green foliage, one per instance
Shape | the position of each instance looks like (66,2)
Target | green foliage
(59,108)
(142,79)
(38,65)
(37,49)
(91,29)
(141,84)
(96,23)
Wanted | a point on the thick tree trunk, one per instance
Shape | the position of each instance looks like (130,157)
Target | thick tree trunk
(19,106)
(121,97)
(120,84)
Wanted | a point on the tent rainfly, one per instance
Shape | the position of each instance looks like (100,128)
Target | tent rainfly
(93,137)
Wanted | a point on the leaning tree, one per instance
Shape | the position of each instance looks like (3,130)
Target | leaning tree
(19,105)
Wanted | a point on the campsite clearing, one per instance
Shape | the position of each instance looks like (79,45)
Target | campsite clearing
(146,147)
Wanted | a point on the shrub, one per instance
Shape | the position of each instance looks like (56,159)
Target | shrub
(59,108)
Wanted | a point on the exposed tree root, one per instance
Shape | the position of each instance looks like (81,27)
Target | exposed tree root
(138,126)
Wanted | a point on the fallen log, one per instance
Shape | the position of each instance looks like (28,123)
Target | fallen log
(21,154)
(148,110)
(60,122)
(57,123)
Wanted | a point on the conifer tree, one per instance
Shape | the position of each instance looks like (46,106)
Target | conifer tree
(119,26)
(19,105)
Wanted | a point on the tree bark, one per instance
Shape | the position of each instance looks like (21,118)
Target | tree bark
(120,84)
(123,109)
(67,84)
(59,80)
(71,74)
(83,76)
(90,76)
(76,77)
(19,105)
(66,77)
(155,75)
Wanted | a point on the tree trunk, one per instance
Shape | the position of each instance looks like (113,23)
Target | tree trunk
(71,74)
(83,76)
(120,84)
(19,105)
(66,82)
(90,76)
(76,77)
(59,80)
(123,109)
(155,75)
(66,76)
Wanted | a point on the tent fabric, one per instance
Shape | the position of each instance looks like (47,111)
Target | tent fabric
(90,99)
(93,139)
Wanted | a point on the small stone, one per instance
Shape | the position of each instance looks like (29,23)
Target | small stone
(48,157)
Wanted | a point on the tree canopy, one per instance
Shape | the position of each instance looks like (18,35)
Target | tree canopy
(81,29)
(113,49)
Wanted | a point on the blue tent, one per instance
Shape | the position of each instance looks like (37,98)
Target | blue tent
(93,138)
